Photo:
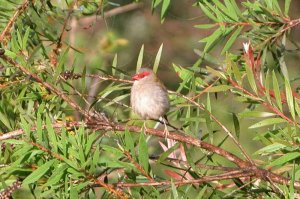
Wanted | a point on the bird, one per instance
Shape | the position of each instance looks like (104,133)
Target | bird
(149,97)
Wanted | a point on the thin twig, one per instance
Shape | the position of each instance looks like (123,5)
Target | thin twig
(14,18)
(111,78)
(112,12)
(55,52)
(110,189)
(138,167)
(224,176)
(202,166)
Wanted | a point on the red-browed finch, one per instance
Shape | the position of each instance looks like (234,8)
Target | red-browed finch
(149,97)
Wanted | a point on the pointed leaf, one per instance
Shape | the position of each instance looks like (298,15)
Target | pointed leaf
(285,158)
(37,174)
(157,58)
(277,91)
(289,97)
(143,152)
(232,39)
(266,122)
(140,59)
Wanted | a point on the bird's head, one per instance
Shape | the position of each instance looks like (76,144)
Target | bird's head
(143,73)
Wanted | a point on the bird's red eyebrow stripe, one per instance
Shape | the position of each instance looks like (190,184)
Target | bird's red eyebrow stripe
(140,75)
(144,74)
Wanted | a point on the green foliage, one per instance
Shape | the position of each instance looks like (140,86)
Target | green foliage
(54,89)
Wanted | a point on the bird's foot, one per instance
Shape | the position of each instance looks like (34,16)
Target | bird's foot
(144,127)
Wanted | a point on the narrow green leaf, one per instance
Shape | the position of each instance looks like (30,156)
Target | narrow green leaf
(285,158)
(166,154)
(114,64)
(165,6)
(277,91)
(287,4)
(116,100)
(250,114)
(208,118)
(39,128)
(232,10)
(297,109)
(219,5)
(270,148)
(10,54)
(157,58)
(236,72)
(267,85)
(96,156)
(113,151)
(143,152)
(83,80)
(289,97)
(216,72)
(5,120)
(205,26)
(57,175)
(201,193)
(228,12)
(25,38)
(155,3)
(89,144)
(220,88)
(212,40)
(70,163)
(291,185)
(250,77)
(20,42)
(189,158)
(236,124)
(129,144)
(282,63)
(15,142)
(207,57)
(208,105)
(51,133)
(174,190)
(232,39)
(73,192)
(37,174)
(208,12)
(140,59)
(267,122)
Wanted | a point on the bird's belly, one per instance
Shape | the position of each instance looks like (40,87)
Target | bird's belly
(149,107)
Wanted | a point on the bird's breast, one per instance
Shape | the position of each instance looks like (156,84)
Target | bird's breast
(150,101)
